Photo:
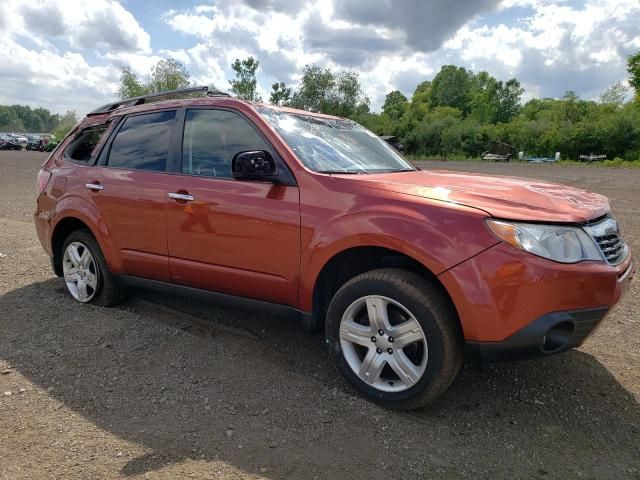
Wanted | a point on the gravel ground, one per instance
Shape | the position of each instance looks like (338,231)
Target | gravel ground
(165,387)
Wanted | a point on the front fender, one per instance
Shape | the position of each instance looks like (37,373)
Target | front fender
(438,238)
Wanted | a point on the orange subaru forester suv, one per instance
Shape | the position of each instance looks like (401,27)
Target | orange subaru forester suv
(315,217)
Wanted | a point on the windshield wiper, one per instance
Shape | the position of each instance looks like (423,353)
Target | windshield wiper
(345,172)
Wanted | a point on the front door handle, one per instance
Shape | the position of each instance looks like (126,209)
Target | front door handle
(94,186)
(181,196)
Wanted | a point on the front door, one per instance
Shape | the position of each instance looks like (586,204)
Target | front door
(232,236)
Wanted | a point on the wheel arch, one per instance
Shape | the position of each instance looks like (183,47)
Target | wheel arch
(351,262)
(64,227)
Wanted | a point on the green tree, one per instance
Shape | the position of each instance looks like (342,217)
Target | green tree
(493,101)
(633,67)
(280,94)
(67,122)
(452,87)
(45,117)
(315,89)
(508,97)
(9,120)
(168,74)
(426,138)
(321,90)
(380,124)
(348,98)
(395,105)
(130,86)
(418,107)
(484,101)
(244,86)
(616,94)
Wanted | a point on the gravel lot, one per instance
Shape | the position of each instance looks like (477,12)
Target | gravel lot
(164,387)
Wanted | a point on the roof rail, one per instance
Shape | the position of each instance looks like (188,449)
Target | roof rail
(130,102)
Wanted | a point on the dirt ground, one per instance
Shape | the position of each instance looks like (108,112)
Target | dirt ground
(164,387)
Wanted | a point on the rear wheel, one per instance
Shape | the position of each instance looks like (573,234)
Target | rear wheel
(85,271)
(394,337)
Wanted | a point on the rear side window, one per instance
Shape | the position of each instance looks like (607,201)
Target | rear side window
(143,142)
(80,150)
(212,138)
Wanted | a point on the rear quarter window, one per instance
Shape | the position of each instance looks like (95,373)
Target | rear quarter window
(82,147)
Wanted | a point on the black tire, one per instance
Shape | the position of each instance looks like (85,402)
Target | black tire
(435,314)
(108,292)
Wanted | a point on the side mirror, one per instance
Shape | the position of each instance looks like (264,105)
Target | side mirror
(253,165)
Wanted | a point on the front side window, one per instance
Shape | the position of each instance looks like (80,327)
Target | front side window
(212,138)
(143,142)
(80,150)
(333,145)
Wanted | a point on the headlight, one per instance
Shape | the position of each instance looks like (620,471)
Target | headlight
(566,244)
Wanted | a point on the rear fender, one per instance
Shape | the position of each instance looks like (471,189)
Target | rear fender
(74,206)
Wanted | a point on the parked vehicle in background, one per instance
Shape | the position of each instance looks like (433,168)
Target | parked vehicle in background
(22,140)
(592,158)
(27,141)
(498,152)
(393,141)
(8,142)
(315,217)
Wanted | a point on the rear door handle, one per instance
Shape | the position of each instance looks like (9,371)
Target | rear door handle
(94,186)
(181,196)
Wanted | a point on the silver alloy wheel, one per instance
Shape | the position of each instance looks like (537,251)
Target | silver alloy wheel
(383,343)
(80,271)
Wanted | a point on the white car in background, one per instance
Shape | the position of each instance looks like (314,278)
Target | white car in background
(22,140)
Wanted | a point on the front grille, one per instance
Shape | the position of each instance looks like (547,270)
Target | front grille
(607,235)
(612,247)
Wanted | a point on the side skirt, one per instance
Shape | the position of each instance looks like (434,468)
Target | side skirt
(244,303)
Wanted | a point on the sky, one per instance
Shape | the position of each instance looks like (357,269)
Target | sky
(68,55)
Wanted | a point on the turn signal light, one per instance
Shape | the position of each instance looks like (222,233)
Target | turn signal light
(43,180)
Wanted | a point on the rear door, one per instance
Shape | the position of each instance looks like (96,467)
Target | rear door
(233,236)
(130,188)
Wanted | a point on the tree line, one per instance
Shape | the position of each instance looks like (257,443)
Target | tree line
(24,119)
(459,112)
(456,114)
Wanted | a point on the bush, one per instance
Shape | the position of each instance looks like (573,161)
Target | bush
(619,162)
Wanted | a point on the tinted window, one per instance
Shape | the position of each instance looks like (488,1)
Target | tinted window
(82,147)
(212,138)
(143,142)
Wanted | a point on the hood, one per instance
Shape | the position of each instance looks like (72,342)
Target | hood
(501,197)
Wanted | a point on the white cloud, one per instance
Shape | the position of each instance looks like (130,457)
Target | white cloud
(42,52)
(44,78)
(63,54)
(558,47)
(81,24)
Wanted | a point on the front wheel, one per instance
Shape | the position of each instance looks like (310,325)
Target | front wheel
(395,338)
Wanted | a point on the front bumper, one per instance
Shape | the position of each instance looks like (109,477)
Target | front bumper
(551,333)
(512,304)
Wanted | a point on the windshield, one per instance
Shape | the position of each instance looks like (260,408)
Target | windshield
(329,145)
